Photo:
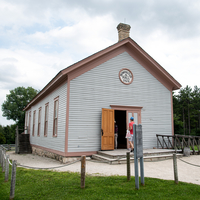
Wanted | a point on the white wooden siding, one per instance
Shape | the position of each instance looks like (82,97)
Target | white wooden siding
(100,87)
(55,143)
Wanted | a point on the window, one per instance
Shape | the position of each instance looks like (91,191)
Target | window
(29,124)
(39,120)
(55,117)
(33,131)
(26,123)
(46,119)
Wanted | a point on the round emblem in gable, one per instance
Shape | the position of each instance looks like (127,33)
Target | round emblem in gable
(126,76)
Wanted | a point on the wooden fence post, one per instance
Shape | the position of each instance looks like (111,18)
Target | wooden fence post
(3,161)
(175,146)
(128,166)
(7,168)
(1,158)
(13,179)
(175,168)
(83,158)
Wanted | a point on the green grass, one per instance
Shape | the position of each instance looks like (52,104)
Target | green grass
(49,185)
(195,148)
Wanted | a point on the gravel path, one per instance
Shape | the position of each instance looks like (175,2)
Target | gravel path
(161,169)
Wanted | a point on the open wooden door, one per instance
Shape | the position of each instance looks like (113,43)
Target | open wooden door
(107,129)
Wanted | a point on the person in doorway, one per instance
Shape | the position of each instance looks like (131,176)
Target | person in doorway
(131,132)
(116,134)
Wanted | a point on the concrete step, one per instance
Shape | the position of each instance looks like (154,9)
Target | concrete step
(161,152)
(117,155)
(161,157)
(122,160)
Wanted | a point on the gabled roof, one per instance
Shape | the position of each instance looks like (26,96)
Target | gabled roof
(96,59)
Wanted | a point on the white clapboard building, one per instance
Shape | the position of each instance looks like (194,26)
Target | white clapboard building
(74,113)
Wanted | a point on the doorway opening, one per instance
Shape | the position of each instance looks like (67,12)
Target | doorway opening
(120,118)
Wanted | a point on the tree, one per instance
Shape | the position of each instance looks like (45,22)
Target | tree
(15,103)
(187,111)
(186,100)
(9,133)
(2,137)
(178,123)
(196,102)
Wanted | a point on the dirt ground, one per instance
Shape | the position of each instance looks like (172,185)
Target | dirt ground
(160,169)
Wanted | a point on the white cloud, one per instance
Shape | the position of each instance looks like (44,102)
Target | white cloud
(89,34)
(27,68)
(40,38)
(31,66)
(179,57)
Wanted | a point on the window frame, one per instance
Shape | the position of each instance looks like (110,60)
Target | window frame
(39,121)
(26,121)
(29,124)
(46,117)
(33,130)
(55,117)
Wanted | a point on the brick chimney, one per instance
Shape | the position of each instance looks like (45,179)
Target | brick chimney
(123,31)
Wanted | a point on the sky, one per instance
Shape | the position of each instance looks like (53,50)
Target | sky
(38,38)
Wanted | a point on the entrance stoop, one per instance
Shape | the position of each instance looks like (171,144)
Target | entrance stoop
(118,156)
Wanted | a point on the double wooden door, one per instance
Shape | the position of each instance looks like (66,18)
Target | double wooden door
(107,125)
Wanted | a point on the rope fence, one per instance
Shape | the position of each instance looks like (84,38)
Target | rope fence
(50,167)
(5,162)
(189,163)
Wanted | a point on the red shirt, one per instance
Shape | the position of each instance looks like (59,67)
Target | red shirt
(131,124)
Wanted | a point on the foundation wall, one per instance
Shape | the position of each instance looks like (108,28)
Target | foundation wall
(44,153)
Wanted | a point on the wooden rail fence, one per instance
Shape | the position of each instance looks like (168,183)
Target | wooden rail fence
(179,142)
